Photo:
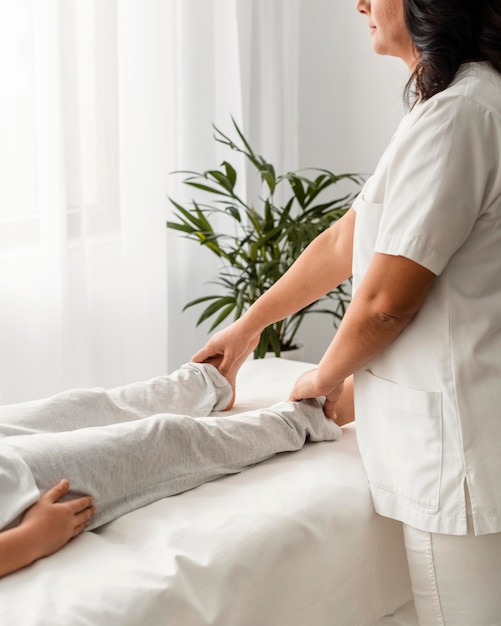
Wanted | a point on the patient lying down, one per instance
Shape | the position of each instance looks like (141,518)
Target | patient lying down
(85,457)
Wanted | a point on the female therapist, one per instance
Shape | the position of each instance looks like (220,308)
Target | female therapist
(422,335)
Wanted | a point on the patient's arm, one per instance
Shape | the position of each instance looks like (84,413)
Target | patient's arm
(45,528)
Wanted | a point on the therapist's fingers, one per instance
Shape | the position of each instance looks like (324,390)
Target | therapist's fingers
(330,411)
(344,407)
(305,387)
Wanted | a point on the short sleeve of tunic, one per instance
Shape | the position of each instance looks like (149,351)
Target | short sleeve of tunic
(433,181)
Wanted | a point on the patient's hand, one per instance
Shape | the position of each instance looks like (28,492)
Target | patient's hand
(45,528)
(54,523)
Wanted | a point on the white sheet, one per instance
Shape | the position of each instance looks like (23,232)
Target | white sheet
(404,616)
(291,542)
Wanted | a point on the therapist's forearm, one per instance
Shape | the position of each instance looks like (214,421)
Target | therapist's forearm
(323,266)
(363,335)
(388,298)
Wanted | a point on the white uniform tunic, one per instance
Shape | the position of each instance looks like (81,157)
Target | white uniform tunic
(429,407)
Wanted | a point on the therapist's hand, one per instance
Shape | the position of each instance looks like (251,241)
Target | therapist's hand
(310,385)
(227,350)
(229,347)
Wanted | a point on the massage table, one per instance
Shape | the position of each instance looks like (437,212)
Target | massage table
(293,541)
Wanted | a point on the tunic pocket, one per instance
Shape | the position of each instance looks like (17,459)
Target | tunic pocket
(400,439)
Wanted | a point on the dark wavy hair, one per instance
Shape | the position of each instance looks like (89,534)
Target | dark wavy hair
(447,33)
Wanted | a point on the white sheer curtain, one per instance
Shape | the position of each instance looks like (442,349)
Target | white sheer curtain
(100,100)
(235,58)
(84,155)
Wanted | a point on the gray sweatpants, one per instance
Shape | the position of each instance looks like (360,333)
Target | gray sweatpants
(133,445)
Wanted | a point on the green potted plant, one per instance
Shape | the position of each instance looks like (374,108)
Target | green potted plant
(259,243)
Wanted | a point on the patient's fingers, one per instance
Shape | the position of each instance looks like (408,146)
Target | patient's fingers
(82,519)
(54,494)
(80,504)
(81,508)
(58,491)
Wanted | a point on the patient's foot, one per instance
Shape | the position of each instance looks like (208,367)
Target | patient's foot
(231,374)
(308,417)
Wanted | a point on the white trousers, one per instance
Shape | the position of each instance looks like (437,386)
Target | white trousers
(456,580)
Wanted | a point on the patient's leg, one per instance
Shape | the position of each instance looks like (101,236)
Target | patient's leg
(194,389)
(125,466)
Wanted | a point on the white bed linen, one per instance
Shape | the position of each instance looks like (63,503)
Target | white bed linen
(404,616)
(293,541)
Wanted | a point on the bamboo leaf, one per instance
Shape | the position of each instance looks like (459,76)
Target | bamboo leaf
(269,177)
(207,188)
(182,227)
(297,188)
(199,301)
(214,308)
(258,241)
(222,316)
(242,137)
(221,179)
(231,173)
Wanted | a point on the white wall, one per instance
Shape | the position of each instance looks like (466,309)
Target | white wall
(350,101)
(350,98)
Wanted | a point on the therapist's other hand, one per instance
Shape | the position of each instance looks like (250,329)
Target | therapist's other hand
(310,385)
